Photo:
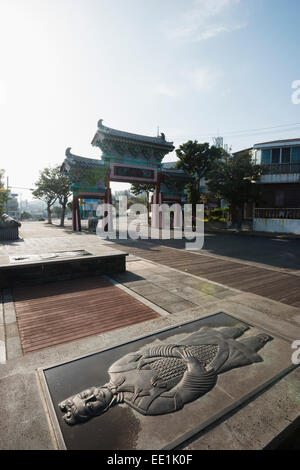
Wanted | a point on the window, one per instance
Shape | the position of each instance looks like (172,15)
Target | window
(286,155)
(295,154)
(275,155)
(257,157)
(266,157)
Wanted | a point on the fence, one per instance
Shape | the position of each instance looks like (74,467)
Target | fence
(277,213)
(281,168)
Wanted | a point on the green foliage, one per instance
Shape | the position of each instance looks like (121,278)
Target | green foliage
(57,210)
(218,214)
(198,160)
(139,188)
(63,190)
(193,193)
(46,186)
(233,179)
(137,199)
(26,215)
(4,194)
(53,186)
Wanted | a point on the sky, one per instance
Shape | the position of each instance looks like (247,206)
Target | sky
(195,68)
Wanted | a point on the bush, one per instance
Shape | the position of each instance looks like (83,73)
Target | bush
(220,215)
(26,215)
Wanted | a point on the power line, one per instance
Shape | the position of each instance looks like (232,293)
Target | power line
(289,126)
(248,132)
(263,132)
(17,187)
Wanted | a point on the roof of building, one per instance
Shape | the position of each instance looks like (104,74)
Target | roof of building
(243,150)
(169,165)
(277,143)
(109,132)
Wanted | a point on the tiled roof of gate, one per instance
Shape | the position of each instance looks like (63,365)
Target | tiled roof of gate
(82,162)
(110,132)
(177,173)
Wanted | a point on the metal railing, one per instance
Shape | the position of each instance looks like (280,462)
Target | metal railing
(281,168)
(277,213)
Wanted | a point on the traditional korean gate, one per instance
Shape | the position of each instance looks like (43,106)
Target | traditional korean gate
(126,157)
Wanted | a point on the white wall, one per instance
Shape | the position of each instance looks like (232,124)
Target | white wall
(281,178)
(277,225)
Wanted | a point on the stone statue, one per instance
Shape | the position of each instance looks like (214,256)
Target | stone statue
(164,378)
(8,222)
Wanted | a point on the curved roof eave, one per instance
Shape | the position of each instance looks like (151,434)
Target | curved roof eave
(110,132)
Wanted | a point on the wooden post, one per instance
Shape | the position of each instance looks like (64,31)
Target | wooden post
(74,214)
(78,218)
(76,223)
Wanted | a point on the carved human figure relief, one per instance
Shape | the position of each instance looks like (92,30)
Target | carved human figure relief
(164,378)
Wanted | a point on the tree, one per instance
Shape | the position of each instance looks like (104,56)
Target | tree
(53,186)
(198,160)
(140,188)
(26,215)
(57,210)
(4,194)
(233,179)
(63,194)
(47,188)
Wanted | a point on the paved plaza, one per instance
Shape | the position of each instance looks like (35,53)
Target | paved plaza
(254,279)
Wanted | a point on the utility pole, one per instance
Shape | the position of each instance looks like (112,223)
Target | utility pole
(20,211)
(7,187)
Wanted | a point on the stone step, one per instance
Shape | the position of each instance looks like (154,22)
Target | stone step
(16,274)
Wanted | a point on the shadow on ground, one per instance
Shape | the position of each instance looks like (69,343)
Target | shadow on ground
(66,287)
(278,252)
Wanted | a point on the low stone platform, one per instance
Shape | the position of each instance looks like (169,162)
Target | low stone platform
(124,426)
(27,268)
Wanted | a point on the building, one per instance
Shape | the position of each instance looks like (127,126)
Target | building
(88,208)
(12,207)
(279,207)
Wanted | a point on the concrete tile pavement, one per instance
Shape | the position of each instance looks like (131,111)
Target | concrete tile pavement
(254,426)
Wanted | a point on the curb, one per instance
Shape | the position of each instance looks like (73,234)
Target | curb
(2,333)
(254,234)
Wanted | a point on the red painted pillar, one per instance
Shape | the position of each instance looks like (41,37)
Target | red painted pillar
(74,214)
(108,200)
(76,223)
(78,212)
